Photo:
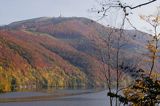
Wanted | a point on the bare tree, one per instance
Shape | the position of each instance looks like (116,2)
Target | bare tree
(105,54)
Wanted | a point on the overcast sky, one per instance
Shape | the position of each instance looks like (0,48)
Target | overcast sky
(16,10)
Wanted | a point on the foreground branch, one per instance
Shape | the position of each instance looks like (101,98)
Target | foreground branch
(143,4)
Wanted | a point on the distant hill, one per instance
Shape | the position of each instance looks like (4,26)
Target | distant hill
(62,52)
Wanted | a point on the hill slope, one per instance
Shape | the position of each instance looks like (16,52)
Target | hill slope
(58,52)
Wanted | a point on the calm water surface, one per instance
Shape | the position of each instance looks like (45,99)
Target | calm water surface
(55,98)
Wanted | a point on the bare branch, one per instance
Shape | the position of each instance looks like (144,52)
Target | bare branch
(140,5)
(118,4)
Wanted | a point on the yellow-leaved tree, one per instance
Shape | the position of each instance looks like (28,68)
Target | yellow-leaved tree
(146,89)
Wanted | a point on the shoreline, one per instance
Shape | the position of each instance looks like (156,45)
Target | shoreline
(46,96)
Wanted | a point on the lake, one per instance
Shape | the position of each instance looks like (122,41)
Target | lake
(60,97)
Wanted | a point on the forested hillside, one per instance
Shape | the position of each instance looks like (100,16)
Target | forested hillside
(61,52)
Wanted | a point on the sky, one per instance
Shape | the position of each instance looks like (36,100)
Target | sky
(17,10)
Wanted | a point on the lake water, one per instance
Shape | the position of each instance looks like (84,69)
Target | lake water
(56,98)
